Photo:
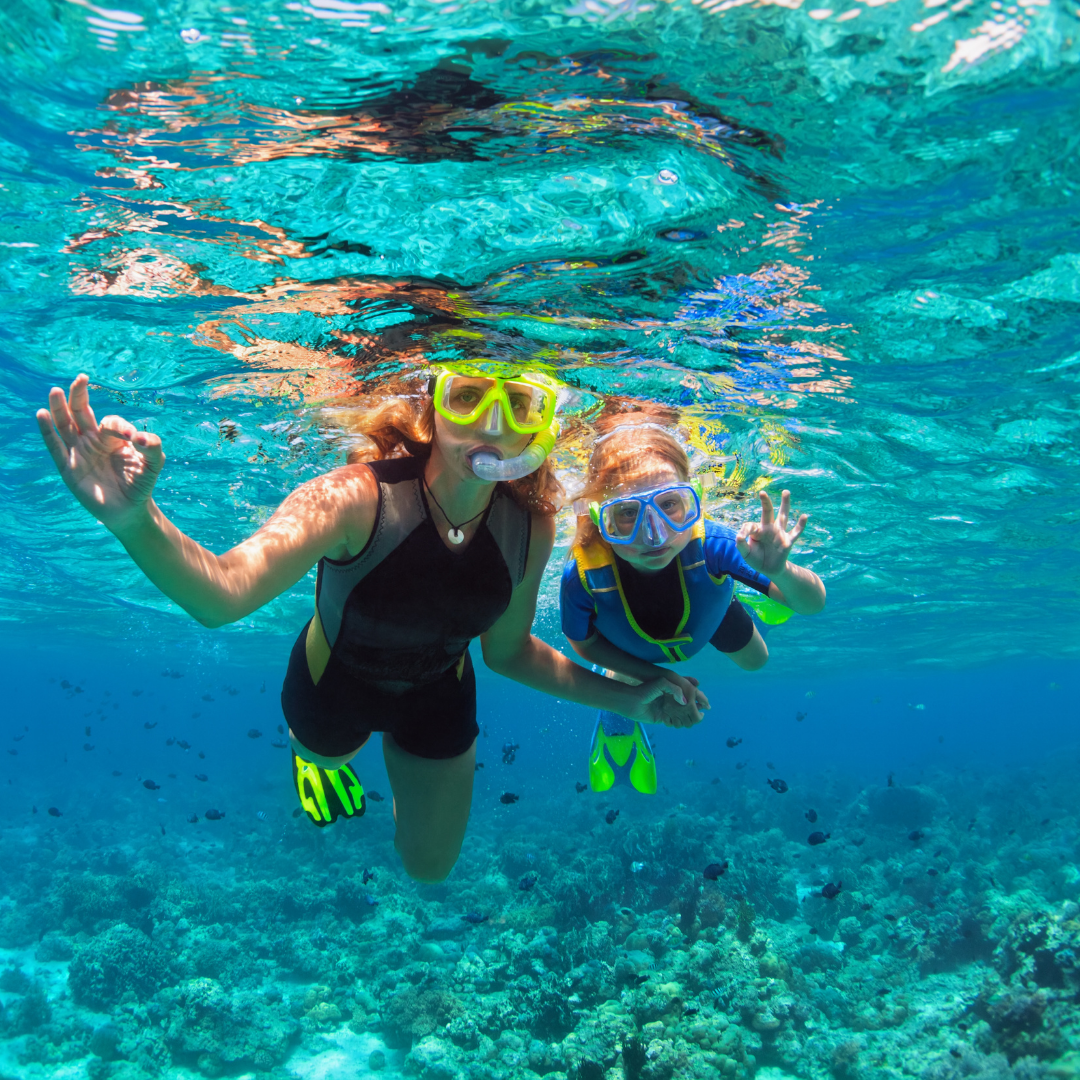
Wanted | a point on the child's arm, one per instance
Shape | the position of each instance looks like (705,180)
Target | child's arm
(598,650)
(765,546)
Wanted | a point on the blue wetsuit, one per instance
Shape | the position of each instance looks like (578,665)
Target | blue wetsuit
(695,605)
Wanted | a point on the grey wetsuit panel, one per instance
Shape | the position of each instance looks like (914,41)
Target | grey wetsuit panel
(401,510)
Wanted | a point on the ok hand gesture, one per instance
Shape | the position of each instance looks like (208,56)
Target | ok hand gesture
(109,467)
(765,545)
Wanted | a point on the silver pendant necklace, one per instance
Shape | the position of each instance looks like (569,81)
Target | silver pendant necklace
(454,533)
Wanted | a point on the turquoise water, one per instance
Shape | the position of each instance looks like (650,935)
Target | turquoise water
(843,241)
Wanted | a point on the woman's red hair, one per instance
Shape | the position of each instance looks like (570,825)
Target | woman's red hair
(403,425)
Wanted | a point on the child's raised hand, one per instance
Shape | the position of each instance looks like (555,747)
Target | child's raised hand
(765,545)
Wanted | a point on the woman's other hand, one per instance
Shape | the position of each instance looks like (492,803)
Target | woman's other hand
(111,467)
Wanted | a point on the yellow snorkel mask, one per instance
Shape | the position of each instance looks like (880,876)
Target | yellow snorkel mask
(493,395)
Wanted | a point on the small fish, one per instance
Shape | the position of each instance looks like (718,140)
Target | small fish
(201,777)
(183,744)
(86,731)
(892,777)
(891,918)
(919,707)
(117,772)
(193,819)
(866,907)
(690,762)
(281,729)
(370,900)
(201,754)
(741,764)
(778,785)
(508,798)
(280,745)
(65,685)
(770,765)
(811,816)
(172,776)
(262,689)
(33,809)
(831,891)
(134,693)
(475,918)
(580,787)
(13,752)
(17,738)
(816,838)
(811,693)
(207,697)
(169,741)
(715,870)
(254,733)
(528,881)
(732,742)
(53,812)
(714,780)
(636,867)
(150,785)
(478,766)
(800,716)
(374,796)
(162,830)
(214,815)
(196,715)
(88,746)
(231,691)
(369,875)
(149,726)
(297,812)
(812,930)
(260,814)
(610,816)
(916,835)
(932,872)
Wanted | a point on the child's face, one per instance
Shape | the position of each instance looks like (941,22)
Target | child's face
(639,554)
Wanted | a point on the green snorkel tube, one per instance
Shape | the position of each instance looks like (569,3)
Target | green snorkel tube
(491,467)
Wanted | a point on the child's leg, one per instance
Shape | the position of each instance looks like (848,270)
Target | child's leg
(738,638)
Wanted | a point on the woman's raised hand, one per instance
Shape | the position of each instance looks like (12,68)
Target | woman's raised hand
(110,467)
(765,545)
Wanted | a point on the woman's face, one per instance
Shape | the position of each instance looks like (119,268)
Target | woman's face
(639,554)
(458,442)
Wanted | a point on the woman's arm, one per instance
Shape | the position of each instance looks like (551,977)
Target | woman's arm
(511,650)
(217,589)
(598,650)
(111,469)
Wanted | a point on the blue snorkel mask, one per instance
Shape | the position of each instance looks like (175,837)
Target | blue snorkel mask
(651,515)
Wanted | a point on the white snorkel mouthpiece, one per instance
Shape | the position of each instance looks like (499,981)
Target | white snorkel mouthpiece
(491,467)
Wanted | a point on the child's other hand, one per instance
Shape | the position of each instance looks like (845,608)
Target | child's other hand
(765,545)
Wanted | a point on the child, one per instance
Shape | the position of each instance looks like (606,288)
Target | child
(650,580)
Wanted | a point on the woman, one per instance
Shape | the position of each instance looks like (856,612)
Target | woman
(417,555)
(650,581)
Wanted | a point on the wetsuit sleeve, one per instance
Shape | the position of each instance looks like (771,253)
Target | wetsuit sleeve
(722,557)
(576,605)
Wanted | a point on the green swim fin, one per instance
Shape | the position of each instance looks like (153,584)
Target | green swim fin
(327,794)
(612,748)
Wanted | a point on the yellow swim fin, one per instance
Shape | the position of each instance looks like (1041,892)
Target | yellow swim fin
(613,751)
(327,794)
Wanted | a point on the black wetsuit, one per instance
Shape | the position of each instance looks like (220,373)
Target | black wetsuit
(398,618)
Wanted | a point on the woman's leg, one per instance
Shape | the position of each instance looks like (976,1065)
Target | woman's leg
(753,654)
(432,799)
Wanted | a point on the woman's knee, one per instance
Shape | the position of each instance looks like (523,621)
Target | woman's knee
(427,867)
